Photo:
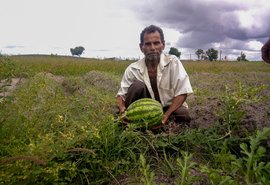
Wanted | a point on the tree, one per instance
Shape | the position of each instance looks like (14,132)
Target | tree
(174,51)
(242,57)
(200,54)
(77,50)
(212,54)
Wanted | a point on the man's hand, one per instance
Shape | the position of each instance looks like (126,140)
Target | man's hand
(122,109)
(121,104)
(176,103)
(164,119)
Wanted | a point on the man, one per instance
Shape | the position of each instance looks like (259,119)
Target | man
(158,76)
(266,51)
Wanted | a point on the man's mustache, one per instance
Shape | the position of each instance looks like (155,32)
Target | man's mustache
(152,56)
(149,54)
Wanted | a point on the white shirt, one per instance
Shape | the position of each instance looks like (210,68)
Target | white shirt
(172,79)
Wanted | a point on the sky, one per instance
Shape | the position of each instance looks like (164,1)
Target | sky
(111,28)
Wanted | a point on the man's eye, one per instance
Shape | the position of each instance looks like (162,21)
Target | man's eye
(150,43)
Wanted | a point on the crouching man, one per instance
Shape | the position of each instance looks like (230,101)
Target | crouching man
(158,76)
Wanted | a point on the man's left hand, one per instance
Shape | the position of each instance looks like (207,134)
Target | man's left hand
(164,119)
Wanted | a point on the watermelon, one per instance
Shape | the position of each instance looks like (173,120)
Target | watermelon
(145,113)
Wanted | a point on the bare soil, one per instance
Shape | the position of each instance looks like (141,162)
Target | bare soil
(204,113)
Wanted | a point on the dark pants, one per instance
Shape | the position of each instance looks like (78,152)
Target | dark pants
(138,90)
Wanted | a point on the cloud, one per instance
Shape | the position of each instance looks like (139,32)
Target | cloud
(225,24)
(56,26)
(13,46)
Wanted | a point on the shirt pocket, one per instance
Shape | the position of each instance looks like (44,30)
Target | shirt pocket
(166,96)
(165,86)
(166,89)
(165,82)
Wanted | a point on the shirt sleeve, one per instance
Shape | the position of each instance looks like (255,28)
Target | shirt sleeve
(126,81)
(181,82)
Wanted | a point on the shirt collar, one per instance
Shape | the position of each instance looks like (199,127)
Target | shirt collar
(164,61)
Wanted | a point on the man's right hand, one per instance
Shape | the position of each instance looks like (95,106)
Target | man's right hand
(122,109)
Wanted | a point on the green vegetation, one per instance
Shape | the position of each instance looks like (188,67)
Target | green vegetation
(174,51)
(77,50)
(211,54)
(58,126)
(66,66)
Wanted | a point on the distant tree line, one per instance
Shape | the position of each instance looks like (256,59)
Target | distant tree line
(211,54)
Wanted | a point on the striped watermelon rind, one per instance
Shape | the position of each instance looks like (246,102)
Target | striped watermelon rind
(145,113)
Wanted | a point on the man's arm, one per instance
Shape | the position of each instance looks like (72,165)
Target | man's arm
(121,104)
(176,103)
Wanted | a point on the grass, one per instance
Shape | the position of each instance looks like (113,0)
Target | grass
(61,130)
(225,66)
(67,66)
(29,65)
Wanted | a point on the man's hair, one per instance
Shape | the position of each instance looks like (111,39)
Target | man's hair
(152,29)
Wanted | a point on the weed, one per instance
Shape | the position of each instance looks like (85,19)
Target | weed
(147,175)
(185,165)
(231,114)
(169,164)
(250,165)
(7,68)
(217,176)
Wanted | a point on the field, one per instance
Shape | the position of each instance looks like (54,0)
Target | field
(57,126)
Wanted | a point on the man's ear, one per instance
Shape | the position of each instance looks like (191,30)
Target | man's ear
(163,45)
(141,47)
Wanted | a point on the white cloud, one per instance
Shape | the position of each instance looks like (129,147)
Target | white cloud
(42,26)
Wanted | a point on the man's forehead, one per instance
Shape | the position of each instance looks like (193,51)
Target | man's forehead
(151,32)
(154,34)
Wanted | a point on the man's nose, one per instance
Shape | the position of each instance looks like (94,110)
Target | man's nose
(152,46)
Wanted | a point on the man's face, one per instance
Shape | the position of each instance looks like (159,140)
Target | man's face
(152,46)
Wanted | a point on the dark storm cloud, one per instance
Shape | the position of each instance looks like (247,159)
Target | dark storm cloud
(206,22)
